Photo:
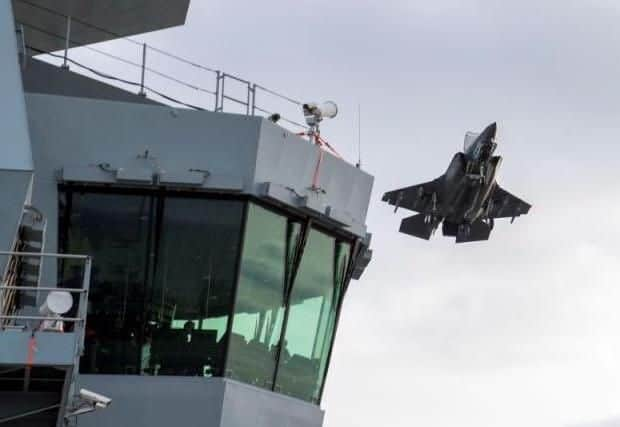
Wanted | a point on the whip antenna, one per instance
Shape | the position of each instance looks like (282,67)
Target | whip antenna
(359,136)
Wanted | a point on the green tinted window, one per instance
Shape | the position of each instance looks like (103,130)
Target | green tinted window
(162,283)
(324,342)
(311,319)
(114,229)
(259,309)
(190,300)
(163,298)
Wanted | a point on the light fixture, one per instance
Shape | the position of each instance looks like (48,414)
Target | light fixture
(314,113)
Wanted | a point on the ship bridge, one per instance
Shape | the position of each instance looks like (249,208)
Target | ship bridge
(208,252)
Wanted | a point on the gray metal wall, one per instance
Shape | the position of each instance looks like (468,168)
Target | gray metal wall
(41,77)
(15,151)
(53,349)
(94,20)
(15,143)
(100,141)
(193,402)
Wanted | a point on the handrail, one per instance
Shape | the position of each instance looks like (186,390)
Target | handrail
(278,94)
(239,79)
(42,318)
(8,312)
(45,289)
(45,255)
(288,105)
(95,27)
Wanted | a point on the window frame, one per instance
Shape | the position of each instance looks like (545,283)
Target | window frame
(160,193)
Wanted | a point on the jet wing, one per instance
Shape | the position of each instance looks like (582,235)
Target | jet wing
(417,198)
(505,205)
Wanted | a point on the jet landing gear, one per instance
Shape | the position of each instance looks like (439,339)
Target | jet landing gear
(476,178)
(475,231)
(464,230)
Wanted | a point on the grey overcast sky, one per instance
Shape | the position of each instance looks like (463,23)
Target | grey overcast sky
(522,330)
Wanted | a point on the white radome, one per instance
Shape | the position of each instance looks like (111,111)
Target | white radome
(57,302)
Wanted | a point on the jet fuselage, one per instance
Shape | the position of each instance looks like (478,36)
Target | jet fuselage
(468,183)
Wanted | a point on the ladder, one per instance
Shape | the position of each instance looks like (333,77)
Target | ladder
(23,271)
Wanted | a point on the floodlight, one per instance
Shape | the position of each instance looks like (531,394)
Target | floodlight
(314,113)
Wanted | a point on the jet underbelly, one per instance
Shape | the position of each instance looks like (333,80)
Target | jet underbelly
(483,190)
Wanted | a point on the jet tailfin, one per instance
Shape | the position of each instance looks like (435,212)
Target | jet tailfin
(419,226)
(473,232)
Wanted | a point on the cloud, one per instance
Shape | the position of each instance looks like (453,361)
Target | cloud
(615,422)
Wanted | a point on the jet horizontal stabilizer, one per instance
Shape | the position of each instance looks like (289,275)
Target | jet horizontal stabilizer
(419,226)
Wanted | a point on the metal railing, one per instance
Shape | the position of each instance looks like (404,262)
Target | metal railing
(210,89)
(8,318)
(21,318)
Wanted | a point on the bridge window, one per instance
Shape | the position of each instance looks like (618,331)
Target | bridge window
(194,275)
(259,309)
(162,283)
(312,316)
(178,289)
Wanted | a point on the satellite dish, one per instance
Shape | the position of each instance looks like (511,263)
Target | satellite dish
(57,302)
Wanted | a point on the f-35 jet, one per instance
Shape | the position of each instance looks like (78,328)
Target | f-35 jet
(465,200)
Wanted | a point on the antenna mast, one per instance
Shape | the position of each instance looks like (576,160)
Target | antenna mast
(359,136)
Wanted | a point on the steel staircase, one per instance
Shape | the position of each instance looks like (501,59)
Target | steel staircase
(23,271)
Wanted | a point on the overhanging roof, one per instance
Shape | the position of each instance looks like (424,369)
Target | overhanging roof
(93,21)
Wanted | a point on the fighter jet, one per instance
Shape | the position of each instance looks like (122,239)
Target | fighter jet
(466,199)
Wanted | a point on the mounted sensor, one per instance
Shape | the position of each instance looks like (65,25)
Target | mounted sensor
(314,113)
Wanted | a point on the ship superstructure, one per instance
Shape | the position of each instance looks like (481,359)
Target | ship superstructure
(207,253)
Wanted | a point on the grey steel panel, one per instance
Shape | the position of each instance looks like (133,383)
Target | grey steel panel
(197,180)
(134,175)
(278,193)
(15,142)
(94,20)
(149,401)
(288,160)
(224,182)
(78,133)
(313,202)
(92,174)
(52,348)
(181,177)
(41,77)
(88,140)
(245,405)
(230,147)
(342,217)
